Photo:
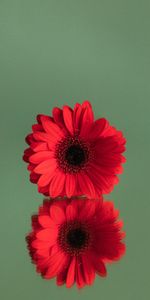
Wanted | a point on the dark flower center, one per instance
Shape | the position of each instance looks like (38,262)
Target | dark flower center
(72,154)
(76,238)
(75,155)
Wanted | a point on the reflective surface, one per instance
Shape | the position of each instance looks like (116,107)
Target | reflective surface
(55,53)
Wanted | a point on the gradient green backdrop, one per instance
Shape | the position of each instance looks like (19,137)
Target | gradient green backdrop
(56,52)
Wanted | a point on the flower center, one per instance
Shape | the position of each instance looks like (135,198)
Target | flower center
(74,237)
(75,155)
(72,154)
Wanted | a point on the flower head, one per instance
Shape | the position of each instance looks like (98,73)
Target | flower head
(72,240)
(71,154)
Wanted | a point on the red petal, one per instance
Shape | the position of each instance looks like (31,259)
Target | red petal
(109,212)
(45,179)
(51,127)
(70,185)
(77,117)
(98,127)
(34,177)
(46,222)
(88,270)
(70,212)
(57,262)
(44,208)
(87,104)
(86,186)
(38,117)
(68,118)
(42,264)
(37,127)
(57,184)
(44,190)
(108,243)
(57,214)
(48,235)
(46,166)
(43,252)
(40,156)
(87,119)
(39,146)
(71,273)
(88,210)
(102,181)
(101,269)
(79,275)
(61,277)
(29,138)
(41,136)
(58,117)
(37,244)
(27,153)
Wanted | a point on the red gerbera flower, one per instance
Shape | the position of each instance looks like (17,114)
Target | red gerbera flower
(73,239)
(71,154)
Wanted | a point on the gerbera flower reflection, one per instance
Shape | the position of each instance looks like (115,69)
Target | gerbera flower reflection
(72,240)
(71,154)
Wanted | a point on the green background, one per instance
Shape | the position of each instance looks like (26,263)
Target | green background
(59,52)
